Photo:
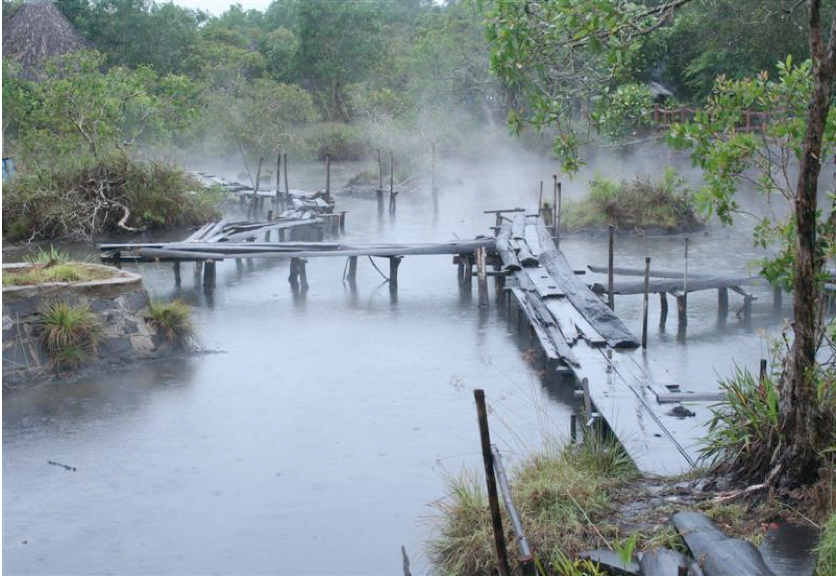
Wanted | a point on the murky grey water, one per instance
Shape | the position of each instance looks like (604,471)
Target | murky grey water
(316,438)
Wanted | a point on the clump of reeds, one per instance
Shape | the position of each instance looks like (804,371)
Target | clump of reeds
(173,320)
(70,333)
(560,493)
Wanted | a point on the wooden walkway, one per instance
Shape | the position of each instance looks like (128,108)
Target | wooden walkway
(659,427)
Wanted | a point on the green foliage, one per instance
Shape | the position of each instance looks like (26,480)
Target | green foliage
(623,111)
(48,257)
(341,141)
(743,430)
(83,197)
(635,205)
(173,320)
(70,333)
(729,155)
(55,271)
(559,494)
(826,549)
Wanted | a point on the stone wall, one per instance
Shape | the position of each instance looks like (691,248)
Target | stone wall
(120,303)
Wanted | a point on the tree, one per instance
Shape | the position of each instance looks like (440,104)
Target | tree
(538,50)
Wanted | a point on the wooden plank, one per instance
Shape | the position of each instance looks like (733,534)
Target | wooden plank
(545,342)
(668,398)
(572,323)
(718,554)
(677,285)
(153,253)
(664,562)
(543,283)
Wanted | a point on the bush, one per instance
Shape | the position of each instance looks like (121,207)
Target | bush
(826,549)
(341,141)
(173,321)
(84,197)
(70,333)
(638,205)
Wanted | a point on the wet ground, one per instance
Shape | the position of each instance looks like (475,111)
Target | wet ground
(316,434)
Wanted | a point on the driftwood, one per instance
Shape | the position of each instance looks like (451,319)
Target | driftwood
(718,554)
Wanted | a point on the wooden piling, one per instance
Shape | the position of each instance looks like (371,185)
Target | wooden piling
(682,301)
(490,479)
(394,262)
(303,274)
(176,267)
(468,270)
(645,302)
(722,302)
(278,196)
(663,306)
(558,214)
(352,268)
(293,278)
(282,235)
(117,259)
(286,185)
(198,269)
(379,171)
(342,221)
(328,176)
(763,372)
(209,274)
(777,299)
(481,261)
(610,270)
(392,205)
(433,189)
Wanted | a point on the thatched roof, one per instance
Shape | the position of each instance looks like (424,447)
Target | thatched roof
(37,31)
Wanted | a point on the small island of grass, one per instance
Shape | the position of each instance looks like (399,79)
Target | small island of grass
(55,266)
(639,205)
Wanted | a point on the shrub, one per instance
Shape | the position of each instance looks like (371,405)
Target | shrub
(173,320)
(666,204)
(341,141)
(826,549)
(82,197)
(70,333)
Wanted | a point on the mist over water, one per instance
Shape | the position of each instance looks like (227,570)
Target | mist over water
(316,434)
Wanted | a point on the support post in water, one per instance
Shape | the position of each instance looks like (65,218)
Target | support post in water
(468,270)
(394,262)
(392,205)
(722,302)
(558,214)
(209,274)
(482,276)
(177,273)
(328,176)
(610,270)
(303,274)
(278,198)
(293,278)
(286,185)
(645,304)
(433,189)
(663,305)
(490,479)
(777,297)
(379,172)
(682,301)
(352,268)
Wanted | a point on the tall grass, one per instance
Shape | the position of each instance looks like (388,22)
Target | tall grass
(70,333)
(561,495)
(639,204)
(826,549)
(173,320)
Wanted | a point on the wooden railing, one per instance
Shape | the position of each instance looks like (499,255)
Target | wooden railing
(753,120)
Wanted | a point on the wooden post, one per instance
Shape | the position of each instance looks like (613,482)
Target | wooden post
(352,268)
(558,214)
(663,305)
(254,200)
(328,176)
(117,259)
(209,274)
(198,269)
(722,302)
(554,207)
(303,275)
(461,269)
(394,262)
(286,185)
(279,177)
(433,189)
(763,373)
(342,221)
(468,270)
(269,215)
(490,479)
(540,201)
(294,273)
(281,235)
(481,258)
(611,269)
(682,301)
(391,182)
(777,297)
(379,171)
(747,309)
(177,272)
(645,304)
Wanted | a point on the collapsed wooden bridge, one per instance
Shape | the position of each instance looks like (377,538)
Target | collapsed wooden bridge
(579,334)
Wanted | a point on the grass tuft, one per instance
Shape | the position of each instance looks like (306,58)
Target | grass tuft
(59,271)
(826,549)
(70,333)
(173,320)
(635,205)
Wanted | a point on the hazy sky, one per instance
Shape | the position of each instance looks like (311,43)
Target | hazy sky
(217,7)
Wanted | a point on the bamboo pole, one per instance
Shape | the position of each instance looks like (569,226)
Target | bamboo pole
(490,479)
(286,185)
(610,270)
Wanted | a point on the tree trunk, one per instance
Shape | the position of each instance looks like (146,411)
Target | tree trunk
(801,422)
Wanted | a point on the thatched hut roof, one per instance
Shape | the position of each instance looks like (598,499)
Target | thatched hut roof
(37,31)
